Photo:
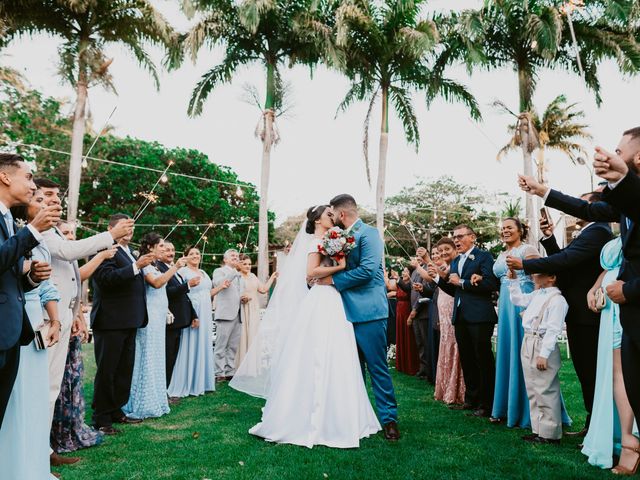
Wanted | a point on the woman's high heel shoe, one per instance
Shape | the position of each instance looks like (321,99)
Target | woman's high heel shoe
(620,470)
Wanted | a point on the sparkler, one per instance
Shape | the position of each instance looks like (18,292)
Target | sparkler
(246,241)
(178,223)
(568,8)
(203,234)
(396,240)
(86,155)
(152,197)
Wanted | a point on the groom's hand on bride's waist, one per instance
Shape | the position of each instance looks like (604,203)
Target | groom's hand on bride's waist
(325,281)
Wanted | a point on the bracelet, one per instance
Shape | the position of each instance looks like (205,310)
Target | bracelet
(54,320)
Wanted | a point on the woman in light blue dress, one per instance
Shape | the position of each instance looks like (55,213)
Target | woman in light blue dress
(148,396)
(194,372)
(510,400)
(612,417)
(24,437)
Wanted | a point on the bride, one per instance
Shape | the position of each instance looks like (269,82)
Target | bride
(308,366)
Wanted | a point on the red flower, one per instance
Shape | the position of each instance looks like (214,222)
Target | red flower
(351,239)
(333,234)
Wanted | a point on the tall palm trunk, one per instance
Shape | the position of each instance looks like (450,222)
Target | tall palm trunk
(267,144)
(382,161)
(525,91)
(77,143)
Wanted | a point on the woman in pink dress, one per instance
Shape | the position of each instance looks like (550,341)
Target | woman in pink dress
(449,381)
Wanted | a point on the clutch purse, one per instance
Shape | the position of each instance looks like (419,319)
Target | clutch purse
(170,318)
(601,299)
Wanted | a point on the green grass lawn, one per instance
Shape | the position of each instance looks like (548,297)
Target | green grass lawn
(206,438)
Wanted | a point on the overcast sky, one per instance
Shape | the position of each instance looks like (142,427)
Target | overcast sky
(319,155)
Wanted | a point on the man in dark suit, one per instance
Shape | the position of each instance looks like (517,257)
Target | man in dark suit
(474,317)
(421,294)
(578,268)
(181,308)
(623,194)
(614,208)
(17,188)
(119,309)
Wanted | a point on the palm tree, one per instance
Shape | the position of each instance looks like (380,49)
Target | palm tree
(532,35)
(560,128)
(274,33)
(385,47)
(87,28)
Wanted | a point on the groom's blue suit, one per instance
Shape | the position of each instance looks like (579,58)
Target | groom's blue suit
(365,301)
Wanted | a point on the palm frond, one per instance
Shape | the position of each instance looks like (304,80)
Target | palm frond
(404,109)
(217,75)
(365,136)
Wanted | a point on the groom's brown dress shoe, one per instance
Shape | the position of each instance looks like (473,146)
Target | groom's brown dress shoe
(56,460)
(391,431)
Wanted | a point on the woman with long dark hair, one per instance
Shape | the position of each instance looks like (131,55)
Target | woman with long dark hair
(148,397)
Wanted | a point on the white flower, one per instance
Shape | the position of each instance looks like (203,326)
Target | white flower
(472,257)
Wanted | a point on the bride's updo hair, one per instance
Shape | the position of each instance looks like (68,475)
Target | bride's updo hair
(313,214)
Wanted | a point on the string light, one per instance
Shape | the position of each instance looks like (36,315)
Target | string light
(239,192)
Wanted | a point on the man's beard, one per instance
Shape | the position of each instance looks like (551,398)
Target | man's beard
(339,223)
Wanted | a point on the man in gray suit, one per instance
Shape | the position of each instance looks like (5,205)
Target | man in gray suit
(227,288)
(66,278)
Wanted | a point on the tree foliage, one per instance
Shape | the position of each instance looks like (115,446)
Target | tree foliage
(32,118)
(431,209)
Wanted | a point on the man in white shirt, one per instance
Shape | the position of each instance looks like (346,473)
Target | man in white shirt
(66,278)
(542,320)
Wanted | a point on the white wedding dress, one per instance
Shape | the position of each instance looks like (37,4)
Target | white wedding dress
(316,393)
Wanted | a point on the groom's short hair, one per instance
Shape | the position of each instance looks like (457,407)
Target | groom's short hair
(344,201)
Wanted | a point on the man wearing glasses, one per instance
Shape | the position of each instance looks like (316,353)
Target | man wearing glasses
(471,282)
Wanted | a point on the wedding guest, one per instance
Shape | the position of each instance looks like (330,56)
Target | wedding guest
(194,373)
(621,195)
(420,298)
(118,285)
(433,345)
(250,310)
(391,282)
(473,318)
(65,275)
(578,267)
(24,435)
(17,188)
(69,432)
(542,320)
(450,387)
(612,418)
(510,402)
(228,287)
(148,397)
(407,359)
(180,306)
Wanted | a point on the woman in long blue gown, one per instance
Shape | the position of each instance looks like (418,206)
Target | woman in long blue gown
(194,372)
(510,400)
(24,437)
(611,421)
(148,396)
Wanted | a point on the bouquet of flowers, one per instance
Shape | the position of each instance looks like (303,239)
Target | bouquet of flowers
(336,244)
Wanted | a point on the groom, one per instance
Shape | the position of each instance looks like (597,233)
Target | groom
(365,301)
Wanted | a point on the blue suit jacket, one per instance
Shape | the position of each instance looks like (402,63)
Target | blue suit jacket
(361,284)
(14,323)
(473,302)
